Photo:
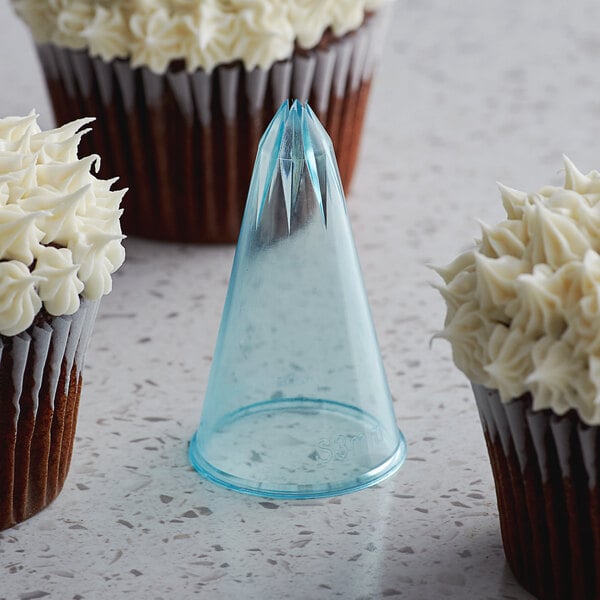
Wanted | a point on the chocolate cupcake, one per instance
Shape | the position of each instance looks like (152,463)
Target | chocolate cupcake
(524,323)
(183,90)
(60,240)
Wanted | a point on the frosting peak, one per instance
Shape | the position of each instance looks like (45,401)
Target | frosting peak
(60,236)
(523,306)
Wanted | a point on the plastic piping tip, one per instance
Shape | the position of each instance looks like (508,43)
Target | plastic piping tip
(297,403)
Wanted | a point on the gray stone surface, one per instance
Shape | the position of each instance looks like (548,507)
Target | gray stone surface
(468,93)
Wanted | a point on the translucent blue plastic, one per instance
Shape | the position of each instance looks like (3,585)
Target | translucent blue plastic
(297,404)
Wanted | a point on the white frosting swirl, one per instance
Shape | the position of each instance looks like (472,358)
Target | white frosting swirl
(60,236)
(523,307)
(59,287)
(19,300)
(204,33)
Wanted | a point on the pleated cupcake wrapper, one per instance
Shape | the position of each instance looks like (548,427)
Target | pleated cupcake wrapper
(40,385)
(185,143)
(546,471)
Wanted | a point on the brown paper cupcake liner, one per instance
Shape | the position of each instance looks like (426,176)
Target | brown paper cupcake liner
(185,143)
(546,471)
(40,386)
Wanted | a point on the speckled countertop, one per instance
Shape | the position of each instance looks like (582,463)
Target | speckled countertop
(468,93)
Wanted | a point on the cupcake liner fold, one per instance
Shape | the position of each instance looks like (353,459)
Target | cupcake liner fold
(323,78)
(382,19)
(545,469)
(185,142)
(40,384)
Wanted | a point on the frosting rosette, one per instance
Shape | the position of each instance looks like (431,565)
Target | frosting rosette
(523,306)
(60,235)
(203,33)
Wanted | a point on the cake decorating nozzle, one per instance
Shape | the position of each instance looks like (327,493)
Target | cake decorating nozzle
(297,404)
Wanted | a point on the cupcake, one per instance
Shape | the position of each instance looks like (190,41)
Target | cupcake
(183,90)
(523,319)
(60,240)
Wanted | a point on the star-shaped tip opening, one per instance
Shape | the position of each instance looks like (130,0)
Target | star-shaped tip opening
(296,162)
